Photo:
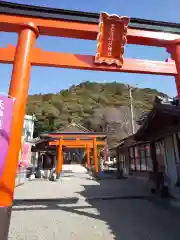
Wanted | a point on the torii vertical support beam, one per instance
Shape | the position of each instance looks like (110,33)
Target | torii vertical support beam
(175,53)
(62,152)
(19,90)
(174,50)
(88,156)
(60,158)
(95,155)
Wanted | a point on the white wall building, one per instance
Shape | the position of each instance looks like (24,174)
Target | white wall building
(28,128)
(25,151)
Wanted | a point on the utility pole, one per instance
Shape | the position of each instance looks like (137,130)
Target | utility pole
(131,108)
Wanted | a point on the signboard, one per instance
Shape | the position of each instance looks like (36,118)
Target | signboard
(6,110)
(111,39)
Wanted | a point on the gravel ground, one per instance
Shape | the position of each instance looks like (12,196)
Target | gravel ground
(73,208)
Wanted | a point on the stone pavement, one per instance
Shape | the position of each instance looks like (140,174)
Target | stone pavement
(78,207)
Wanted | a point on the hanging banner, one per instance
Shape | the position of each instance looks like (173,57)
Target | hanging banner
(111,39)
(6,111)
(26,155)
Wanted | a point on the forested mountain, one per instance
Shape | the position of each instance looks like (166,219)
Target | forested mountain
(98,107)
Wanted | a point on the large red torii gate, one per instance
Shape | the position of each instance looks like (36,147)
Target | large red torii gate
(29,22)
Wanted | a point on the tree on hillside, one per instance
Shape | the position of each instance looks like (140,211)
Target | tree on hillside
(99,107)
(116,122)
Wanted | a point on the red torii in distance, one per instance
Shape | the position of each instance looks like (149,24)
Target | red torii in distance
(30,22)
(85,140)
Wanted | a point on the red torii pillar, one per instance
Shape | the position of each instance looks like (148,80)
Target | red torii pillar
(19,90)
(174,50)
(59,158)
(88,156)
(96,165)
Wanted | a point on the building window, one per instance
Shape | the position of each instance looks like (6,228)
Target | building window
(132,158)
(178,146)
(122,161)
(176,143)
(137,158)
(143,158)
(149,165)
(140,158)
(160,153)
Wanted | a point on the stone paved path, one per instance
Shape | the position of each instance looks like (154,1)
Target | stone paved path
(73,209)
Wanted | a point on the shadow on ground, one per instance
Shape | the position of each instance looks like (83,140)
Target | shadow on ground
(128,210)
(136,215)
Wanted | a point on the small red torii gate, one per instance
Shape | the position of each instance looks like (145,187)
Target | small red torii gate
(85,141)
(24,56)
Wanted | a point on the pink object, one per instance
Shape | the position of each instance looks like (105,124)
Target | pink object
(26,155)
(6,110)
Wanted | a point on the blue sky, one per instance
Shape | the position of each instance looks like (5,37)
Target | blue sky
(47,80)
